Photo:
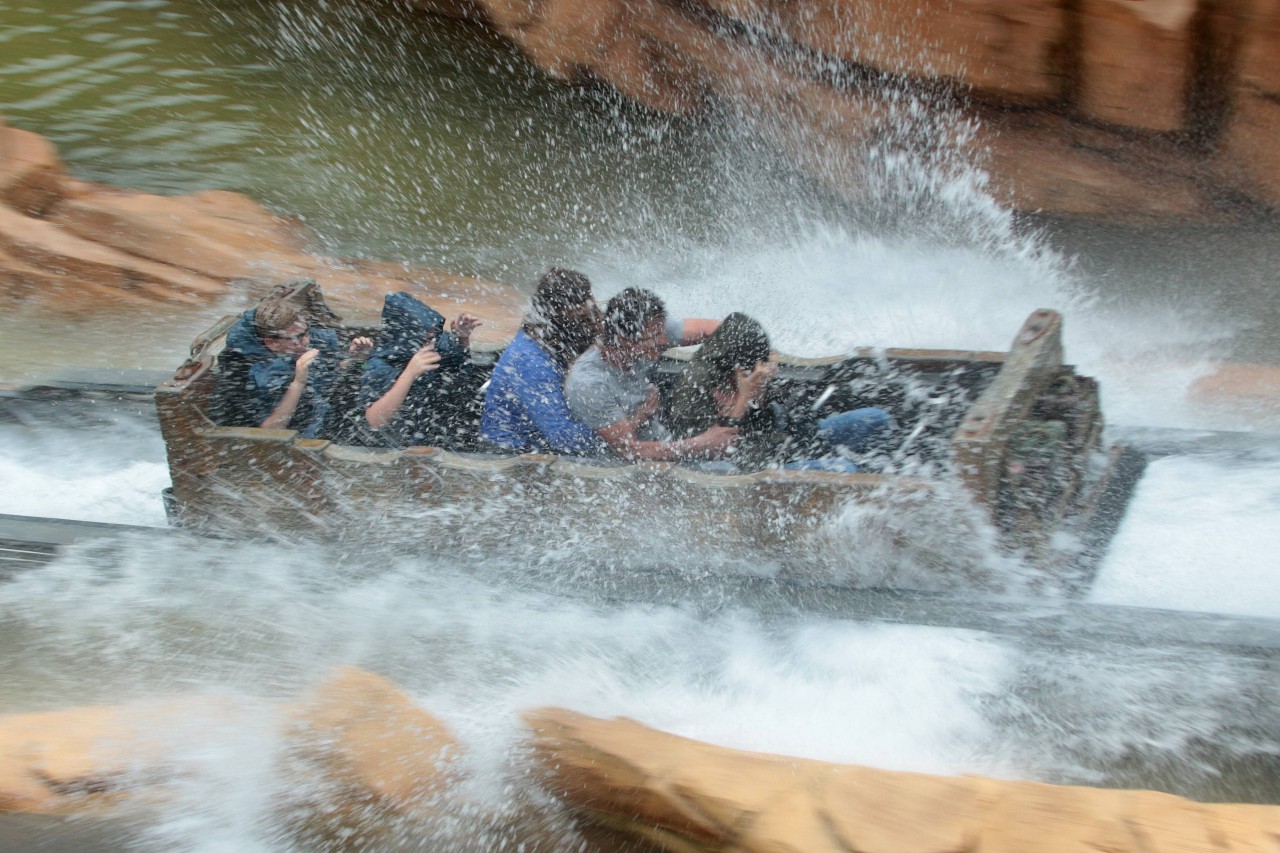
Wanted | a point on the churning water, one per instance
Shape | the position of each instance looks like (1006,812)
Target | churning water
(398,136)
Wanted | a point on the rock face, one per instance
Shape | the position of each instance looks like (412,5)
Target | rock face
(77,246)
(683,795)
(356,729)
(1136,110)
(382,756)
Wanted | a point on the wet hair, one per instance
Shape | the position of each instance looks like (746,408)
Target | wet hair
(552,322)
(274,316)
(559,291)
(739,342)
(628,312)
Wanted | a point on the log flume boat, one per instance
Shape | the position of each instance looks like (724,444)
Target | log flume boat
(1005,448)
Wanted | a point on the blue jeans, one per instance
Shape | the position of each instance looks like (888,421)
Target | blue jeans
(857,431)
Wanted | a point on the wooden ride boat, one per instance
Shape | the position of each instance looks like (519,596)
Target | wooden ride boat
(1009,442)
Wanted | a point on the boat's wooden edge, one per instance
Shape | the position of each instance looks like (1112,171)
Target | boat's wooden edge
(584,468)
(981,439)
(176,402)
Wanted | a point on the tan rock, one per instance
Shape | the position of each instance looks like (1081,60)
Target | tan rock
(95,757)
(30,172)
(43,244)
(374,741)
(374,738)
(687,796)
(1012,51)
(1251,389)
(183,232)
(892,812)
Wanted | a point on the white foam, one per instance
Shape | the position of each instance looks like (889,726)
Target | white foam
(114,475)
(1201,534)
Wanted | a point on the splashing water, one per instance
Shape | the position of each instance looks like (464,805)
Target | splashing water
(396,138)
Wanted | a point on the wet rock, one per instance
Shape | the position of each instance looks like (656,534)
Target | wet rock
(1154,111)
(1253,390)
(75,246)
(373,738)
(97,757)
(30,172)
(358,730)
(1249,153)
(71,259)
(687,795)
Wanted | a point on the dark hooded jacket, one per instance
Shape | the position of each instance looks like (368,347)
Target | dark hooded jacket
(433,409)
(252,379)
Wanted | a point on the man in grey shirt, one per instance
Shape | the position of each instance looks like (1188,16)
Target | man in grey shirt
(608,387)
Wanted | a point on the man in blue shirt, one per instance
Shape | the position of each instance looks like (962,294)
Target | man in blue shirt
(524,405)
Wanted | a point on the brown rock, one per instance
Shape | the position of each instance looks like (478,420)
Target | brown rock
(568,35)
(30,172)
(42,244)
(374,738)
(1009,50)
(1250,155)
(1136,62)
(1041,161)
(687,795)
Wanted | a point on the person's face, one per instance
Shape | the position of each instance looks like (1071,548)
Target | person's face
(652,342)
(581,323)
(294,340)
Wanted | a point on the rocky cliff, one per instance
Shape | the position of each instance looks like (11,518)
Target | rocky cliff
(75,246)
(372,756)
(1135,110)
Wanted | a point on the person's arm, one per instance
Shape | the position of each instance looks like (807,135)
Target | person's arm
(694,330)
(621,437)
(384,409)
(283,412)
(544,403)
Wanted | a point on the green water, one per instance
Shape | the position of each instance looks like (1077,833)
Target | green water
(399,135)
(393,134)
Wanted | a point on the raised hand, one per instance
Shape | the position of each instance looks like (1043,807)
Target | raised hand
(424,360)
(464,325)
(303,365)
(751,383)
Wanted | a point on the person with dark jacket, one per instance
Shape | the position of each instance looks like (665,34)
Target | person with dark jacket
(728,383)
(290,366)
(411,393)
